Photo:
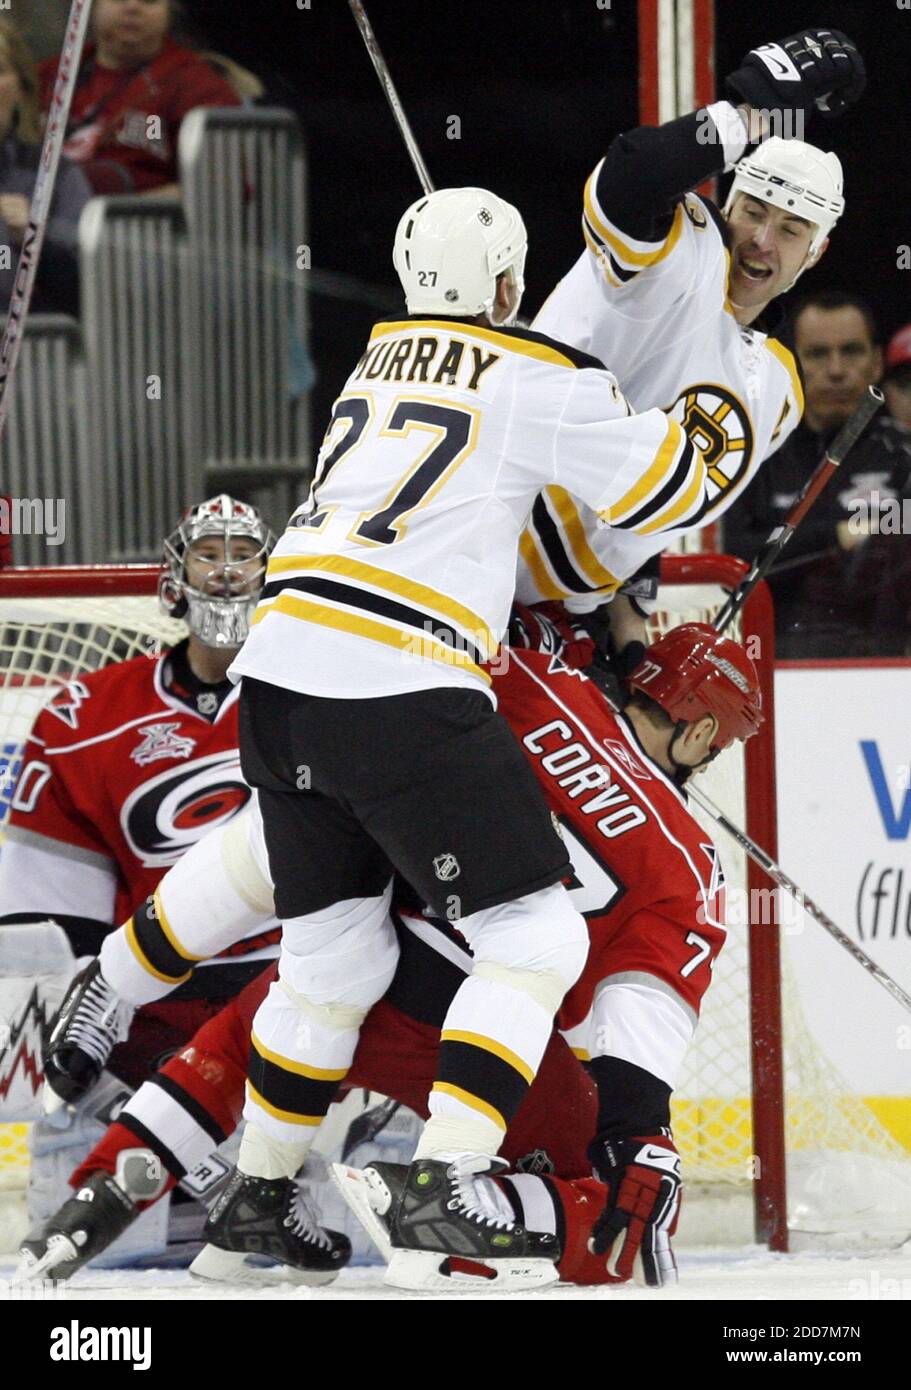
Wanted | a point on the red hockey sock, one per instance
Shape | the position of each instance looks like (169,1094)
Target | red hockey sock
(114,1141)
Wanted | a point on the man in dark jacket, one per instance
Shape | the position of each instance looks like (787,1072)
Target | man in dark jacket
(825,586)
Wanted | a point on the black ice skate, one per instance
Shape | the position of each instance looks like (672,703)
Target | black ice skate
(372,1193)
(91,1020)
(87,1223)
(444,1228)
(268,1219)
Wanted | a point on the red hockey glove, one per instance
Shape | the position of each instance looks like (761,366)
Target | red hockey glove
(642,1174)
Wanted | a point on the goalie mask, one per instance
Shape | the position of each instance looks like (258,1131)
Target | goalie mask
(213,570)
(691,671)
(451,246)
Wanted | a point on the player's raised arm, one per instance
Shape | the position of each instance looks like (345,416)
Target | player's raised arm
(633,213)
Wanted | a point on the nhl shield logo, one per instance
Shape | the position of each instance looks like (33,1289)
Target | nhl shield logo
(446,867)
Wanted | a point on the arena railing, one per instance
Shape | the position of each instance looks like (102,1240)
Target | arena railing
(143,345)
(243,179)
(46,447)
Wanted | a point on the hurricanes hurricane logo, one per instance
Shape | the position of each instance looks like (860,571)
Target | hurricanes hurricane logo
(164,816)
(719,425)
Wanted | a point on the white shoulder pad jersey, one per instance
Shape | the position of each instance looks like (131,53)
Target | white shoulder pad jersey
(657,314)
(399,571)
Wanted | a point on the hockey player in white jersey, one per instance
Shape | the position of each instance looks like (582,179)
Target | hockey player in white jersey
(669,290)
(368,727)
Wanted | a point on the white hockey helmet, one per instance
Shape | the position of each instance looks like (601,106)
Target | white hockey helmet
(451,245)
(218,619)
(796,176)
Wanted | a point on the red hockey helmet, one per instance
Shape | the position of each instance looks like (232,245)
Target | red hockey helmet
(692,671)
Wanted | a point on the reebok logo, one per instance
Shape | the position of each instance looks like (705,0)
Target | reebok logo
(75,1343)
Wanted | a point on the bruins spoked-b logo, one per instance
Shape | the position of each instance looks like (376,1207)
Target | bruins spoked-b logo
(446,867)
(718,424)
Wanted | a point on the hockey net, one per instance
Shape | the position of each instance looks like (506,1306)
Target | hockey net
(731,1124)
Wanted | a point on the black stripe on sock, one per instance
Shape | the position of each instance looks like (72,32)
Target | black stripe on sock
(155,946)
(286,1090)
(194,1109)
(482,1074)
(149,1140)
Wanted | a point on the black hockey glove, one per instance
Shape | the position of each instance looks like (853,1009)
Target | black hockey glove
(642,1174)
(611,670)
(818,68)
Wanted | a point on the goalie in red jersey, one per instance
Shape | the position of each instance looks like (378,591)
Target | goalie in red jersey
(125,768)
(648,881)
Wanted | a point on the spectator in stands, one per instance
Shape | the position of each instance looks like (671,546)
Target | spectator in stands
(135,85)
(827,583)
(897,379)
(57,283)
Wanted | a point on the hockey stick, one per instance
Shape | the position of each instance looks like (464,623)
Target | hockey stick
(392,96)
(778,876)
(845,440)
(43,192)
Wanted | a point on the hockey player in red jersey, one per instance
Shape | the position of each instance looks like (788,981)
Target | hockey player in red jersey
(124,769)
(647,879)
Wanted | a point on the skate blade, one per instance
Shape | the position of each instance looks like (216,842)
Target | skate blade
(428,1271)
(367,1196)
(217,1266)
(60,1249)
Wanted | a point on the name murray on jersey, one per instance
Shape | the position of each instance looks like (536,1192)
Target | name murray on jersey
(430,359)
(444,434)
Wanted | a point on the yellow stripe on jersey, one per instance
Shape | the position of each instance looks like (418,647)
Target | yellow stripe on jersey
(677,510)
(638,259)
(540,351)
(145,963)
(582,1053)
(298,1068)
(420,594)
(497,1049)
(473,1102)
(287,1117)
(574,534)
(404,639)
(547,587)
(602,257)
(655,474)
(786,359)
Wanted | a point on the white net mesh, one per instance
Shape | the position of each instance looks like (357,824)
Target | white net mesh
(848,1178)
(45,642)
